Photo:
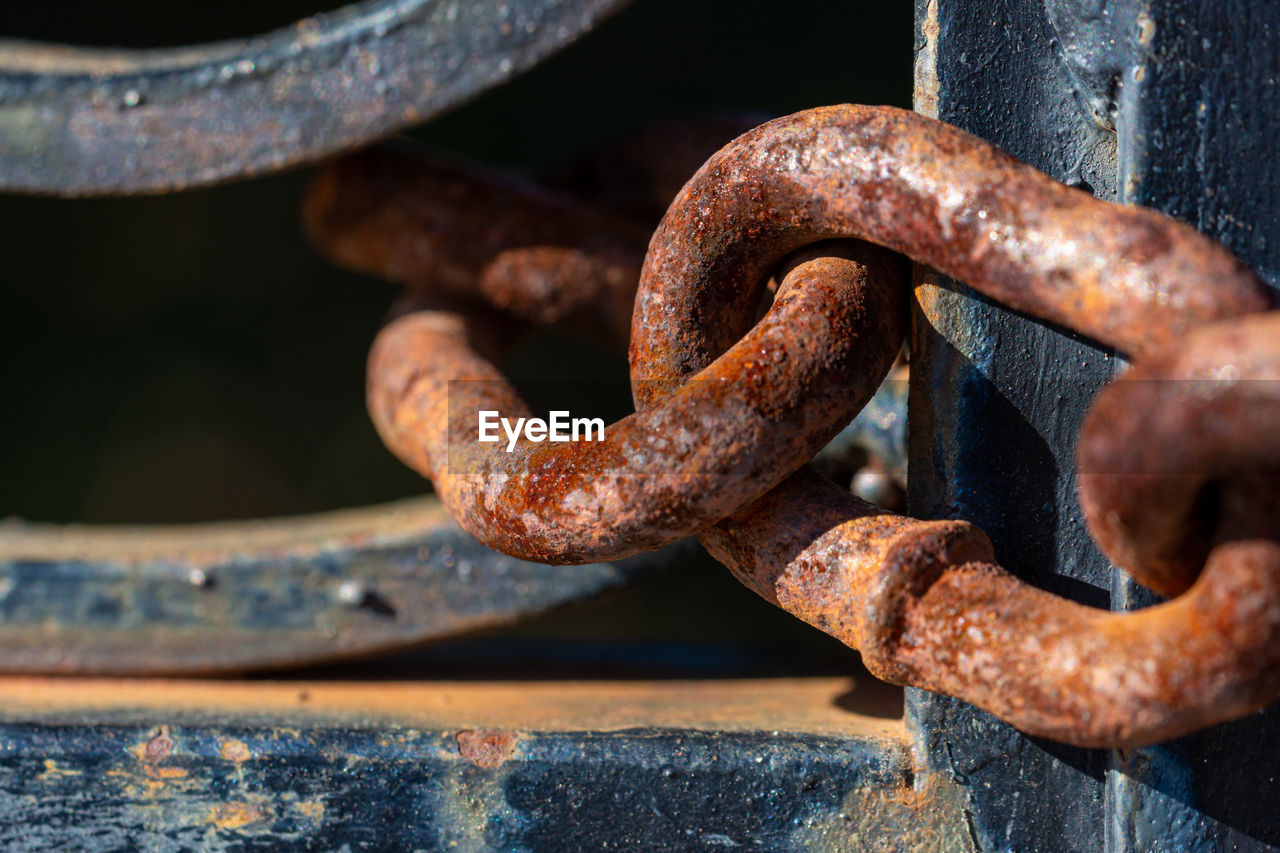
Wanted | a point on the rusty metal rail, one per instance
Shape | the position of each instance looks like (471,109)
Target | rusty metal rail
(723,419)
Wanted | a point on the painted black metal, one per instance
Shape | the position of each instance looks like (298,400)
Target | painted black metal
(92,121)
(271,607)
(1198,129)
(996,402)
(1094,42)
(260,785)
(1188,87)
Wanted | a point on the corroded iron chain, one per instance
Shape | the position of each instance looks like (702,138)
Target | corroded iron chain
(729,409)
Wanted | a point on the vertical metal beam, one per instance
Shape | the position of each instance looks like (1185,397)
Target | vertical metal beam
(996,401)
(1198,124)
(1189,89)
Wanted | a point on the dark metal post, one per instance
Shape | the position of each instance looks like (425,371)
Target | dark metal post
(1165,103)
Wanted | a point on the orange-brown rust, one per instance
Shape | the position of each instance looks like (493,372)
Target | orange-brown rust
(235,751)
(925,601)
(486,748)
(158,747)
(1126,276)
(823,706)
(240,814)
(1157,439)
(723,418)
(450,228)
(1097,678)
(765,407)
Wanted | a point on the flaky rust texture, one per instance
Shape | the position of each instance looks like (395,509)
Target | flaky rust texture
(764,408)
(453,228)
(724,418)
(924,600)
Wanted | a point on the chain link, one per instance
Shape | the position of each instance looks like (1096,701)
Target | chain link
(730,407)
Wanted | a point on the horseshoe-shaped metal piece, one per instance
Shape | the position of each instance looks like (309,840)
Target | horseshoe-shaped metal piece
(90,121)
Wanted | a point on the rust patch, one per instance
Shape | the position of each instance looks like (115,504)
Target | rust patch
(52,771)
(312,809)
(486,748)
(925,95)
(731,405)
(929,818)
(239,814)
(157,748)
(236,751)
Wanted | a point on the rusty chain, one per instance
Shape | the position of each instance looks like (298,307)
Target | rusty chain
(1178,471)
(230,597)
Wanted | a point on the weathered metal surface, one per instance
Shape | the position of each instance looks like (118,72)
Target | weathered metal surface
(231,598)
(686,765)
(1125,276)
(545,258)
(238,597)
(566,250)
(85,121)
(1004,396)
(925,602)
(1094,41)
(452,228)
(1197,142)
(1160,438)
(763,409)
(996,403)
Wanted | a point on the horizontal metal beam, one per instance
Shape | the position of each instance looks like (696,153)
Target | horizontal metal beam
(238,597)
(777,765)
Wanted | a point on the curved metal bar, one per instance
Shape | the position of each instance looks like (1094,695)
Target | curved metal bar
(88,121)
(1158,439)
(720,441)
(244,596)
(925,601)
(1126,276)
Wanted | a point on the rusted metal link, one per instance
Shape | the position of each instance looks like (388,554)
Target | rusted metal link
(769,404)
(925,601)
(1159,438)
(475,237)
(927,605)
(459,230)
(237,597)
(1127,276)
(565,251)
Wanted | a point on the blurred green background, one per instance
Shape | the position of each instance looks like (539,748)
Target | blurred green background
(188,357)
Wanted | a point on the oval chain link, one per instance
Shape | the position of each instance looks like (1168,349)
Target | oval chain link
(1178,470)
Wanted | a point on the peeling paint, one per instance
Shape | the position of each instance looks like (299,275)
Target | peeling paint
(925,94)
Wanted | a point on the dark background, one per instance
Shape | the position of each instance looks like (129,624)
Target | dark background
(187,357)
